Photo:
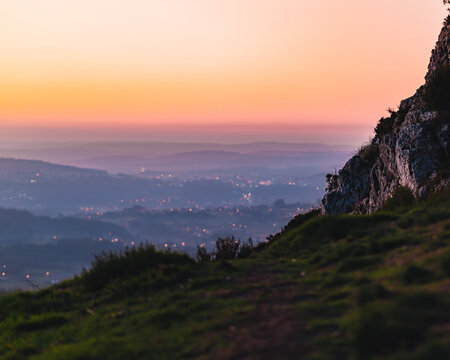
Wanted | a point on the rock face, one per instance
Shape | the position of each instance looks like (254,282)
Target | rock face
(413,152)
(440,54)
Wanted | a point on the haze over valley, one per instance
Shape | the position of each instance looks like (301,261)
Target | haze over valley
(108,196)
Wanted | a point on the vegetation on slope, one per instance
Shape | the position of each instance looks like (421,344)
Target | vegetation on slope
(326,287)
(437,91)
(386,125)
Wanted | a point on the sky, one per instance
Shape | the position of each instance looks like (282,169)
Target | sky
(201,70)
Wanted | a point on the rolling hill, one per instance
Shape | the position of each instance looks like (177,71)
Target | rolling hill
(343,287)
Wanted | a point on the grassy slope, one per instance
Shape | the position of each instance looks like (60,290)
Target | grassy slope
(341,287)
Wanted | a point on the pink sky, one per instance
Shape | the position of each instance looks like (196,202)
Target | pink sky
(202,70)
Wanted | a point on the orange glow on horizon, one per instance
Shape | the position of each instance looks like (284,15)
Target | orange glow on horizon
(233,64)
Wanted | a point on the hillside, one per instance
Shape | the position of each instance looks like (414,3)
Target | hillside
(343,287)
(129,157)
(50,249)
(22,227)
(53,189)
(193,162)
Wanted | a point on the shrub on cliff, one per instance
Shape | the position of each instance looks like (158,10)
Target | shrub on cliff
(447,21)
(401,198)
(369,152)
(387,124)
(437,90)
(331,181)
(384,126)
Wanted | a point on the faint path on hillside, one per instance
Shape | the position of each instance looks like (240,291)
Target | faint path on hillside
(273,330)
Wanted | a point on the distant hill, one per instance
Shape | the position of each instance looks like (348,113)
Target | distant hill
(205,179)
(50,188)
(21,227)
(18,169)
(130,157)
(186,162)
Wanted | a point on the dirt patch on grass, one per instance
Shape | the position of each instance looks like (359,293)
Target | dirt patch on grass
(273,330)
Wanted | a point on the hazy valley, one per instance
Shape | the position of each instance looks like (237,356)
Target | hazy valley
(181,201)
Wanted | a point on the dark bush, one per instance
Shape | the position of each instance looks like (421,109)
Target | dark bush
(401,115)
(331,181)
(203,255)
(415,274)
(227,248)
(401,198)
(40,322)
(445,264)
(301,219)
(399,326)
(246,249)
(358,263)
(369,153)
(134,261)
(325,229)
(421,300)
(385,124)
(371,292)
(382,332)
(437,90)
(335,280)
(429,352)
(406,222)
(384,245)
(296,222)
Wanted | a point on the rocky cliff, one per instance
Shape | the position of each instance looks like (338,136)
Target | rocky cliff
(410,147)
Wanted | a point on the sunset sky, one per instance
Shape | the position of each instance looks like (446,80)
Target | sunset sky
(209,70)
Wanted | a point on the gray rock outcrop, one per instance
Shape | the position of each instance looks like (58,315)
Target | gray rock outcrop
(414,153)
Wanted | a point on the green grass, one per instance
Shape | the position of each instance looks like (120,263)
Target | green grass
(326,287)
